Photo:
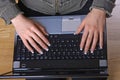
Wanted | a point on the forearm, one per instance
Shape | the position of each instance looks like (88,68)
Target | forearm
(8,10)
(105,5)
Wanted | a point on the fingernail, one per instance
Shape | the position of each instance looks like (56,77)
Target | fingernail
(46,49)
(91,51)
(32,51)
(49,44)
(85,53)
(81,49)
(101,47)
(47,34)
(41,52)
(74,33)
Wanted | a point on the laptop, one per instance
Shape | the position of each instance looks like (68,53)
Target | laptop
(64,58)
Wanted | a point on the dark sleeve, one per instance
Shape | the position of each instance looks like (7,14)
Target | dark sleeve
(8,10)
(106,5)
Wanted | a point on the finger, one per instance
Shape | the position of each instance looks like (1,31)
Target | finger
(101,39)
(88,42)
(42,29)
(80,28)
(27,45)
(95,40)
(39,41)
(84,37)
(34,45)
(43,38)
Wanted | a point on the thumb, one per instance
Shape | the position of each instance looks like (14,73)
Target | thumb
(80,28)
(42,29)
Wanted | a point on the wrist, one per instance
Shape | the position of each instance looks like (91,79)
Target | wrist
(19,17)
(98,11)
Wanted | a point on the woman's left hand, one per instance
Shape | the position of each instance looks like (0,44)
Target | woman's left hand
(93,26)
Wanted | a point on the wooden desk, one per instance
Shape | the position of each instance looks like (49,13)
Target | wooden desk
(113,28)
(6,48)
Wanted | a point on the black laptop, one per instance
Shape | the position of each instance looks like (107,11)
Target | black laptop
(64,58)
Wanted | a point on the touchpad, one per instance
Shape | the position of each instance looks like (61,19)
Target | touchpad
(70,23)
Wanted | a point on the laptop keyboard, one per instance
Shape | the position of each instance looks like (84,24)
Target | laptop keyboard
(63,47)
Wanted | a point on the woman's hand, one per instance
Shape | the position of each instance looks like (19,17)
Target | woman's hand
(93,26)
(31,33)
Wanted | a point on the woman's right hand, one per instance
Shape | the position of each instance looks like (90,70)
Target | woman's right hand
(31,33)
